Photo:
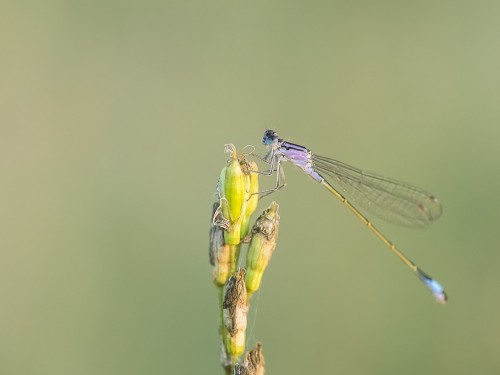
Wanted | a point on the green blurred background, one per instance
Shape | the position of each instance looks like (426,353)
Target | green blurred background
(113,119)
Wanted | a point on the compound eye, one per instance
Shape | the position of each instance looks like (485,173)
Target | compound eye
(270,137)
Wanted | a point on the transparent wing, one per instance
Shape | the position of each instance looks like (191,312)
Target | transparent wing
(391,200)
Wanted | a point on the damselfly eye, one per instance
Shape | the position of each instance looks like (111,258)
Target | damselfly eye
(270,137)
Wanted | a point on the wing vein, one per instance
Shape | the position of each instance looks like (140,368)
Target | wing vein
(391,200)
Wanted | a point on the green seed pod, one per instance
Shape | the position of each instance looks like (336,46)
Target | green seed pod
(245,227)
(231,187)
(232,237)
(251,196)
(234,190)
(252,188)
(264,237)
(258,257)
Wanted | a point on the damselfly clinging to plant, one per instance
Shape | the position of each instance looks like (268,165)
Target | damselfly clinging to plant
(394,201)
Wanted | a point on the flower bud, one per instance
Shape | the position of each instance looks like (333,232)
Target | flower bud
(262,245)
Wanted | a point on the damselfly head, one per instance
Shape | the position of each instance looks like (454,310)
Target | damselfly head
(270,138)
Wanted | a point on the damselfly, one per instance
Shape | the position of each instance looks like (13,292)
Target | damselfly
(394,201)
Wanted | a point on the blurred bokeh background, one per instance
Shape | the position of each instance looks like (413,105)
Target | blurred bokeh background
(113,120)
